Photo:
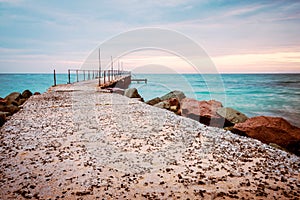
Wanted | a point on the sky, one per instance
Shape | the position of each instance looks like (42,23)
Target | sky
(238,36)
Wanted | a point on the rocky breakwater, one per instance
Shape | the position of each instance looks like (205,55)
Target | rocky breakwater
(12,104)
(274,131)
(210,113)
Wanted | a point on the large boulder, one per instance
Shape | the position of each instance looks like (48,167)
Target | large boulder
(231,116)
(173,94)
(26,94)
(271,130)
(203,111)
(154,101)
(132,93)
(13,98)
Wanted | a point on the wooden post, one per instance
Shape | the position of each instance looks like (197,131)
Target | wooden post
(77,75)
(84,75)
(69,77)
(54,77)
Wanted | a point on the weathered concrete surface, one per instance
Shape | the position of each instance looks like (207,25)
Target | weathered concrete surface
(77,142)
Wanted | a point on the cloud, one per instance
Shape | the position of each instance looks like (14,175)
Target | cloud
(74,28)
(281,61)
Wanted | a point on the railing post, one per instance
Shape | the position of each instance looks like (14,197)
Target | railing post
(99,77)
(104,74)
(84,75)
(112,68)
(69,76)
(77,75)
(54,74)
(100,68)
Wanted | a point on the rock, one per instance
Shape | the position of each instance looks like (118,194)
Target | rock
(3,108)
(13,98)
(21,101)
(36,93)
(277,146)
(231,116)
(174,108)
(271,130)
(26,94)
(11,109)
(203,111)
(2,118)
(170,104)
(3,101)
(173,94)
(132,93)
(163,104)
(154,101)
(173,102)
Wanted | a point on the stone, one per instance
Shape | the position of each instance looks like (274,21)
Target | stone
(271,130)
(163,104)
(21,101)
(231,116)
(13,98)
(26,94)
(2,118)
(36,93)
(277,146)
(11,109)
(173,102)
(203,111)
(3,101)
(169,104)
(154,101)
(173,94)
(173,108)
(132,93)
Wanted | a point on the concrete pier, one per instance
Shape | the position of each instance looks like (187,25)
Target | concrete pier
(78,142)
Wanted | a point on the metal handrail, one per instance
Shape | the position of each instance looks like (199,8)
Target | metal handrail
(107,75)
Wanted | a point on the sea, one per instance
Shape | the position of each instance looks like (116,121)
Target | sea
(252,94)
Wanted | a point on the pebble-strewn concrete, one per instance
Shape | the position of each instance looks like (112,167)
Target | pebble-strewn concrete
(77,142)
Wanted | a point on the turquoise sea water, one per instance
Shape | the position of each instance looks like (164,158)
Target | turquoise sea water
(252,94)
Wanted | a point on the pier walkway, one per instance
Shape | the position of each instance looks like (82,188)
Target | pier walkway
(78,142)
